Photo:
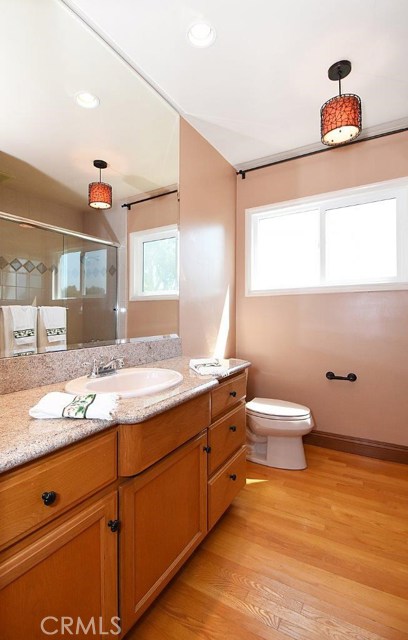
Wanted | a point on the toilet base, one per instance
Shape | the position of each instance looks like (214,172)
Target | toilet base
(281,452)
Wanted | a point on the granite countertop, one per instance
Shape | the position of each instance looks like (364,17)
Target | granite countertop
(23,439)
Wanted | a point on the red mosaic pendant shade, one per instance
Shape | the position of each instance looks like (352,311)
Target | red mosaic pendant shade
(340,119)
(100,195)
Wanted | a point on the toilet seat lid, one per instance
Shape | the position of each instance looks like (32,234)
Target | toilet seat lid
(277,408)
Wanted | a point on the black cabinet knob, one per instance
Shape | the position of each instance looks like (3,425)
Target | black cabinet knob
(48,497)
(233,427)
(233,476)
(233,394)
(207,449)
(113,525)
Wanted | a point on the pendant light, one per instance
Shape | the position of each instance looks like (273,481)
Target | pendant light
(100,193)
(340,117)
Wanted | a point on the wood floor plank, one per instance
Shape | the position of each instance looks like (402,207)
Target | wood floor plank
(279,593)
(320,554)
(325,552)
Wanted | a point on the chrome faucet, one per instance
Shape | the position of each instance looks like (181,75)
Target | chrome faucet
(105,369)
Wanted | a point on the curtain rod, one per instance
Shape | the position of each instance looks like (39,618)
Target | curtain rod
(242,172)
(129,205)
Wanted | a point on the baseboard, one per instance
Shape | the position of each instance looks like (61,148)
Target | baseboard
(359,446)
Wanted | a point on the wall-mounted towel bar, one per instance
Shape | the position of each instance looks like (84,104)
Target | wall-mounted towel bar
(351,377)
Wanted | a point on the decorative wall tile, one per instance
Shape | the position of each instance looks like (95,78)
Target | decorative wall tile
(41,268)
(28,266)
(16,264)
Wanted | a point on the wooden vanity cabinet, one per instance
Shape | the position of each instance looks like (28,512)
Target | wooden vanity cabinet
(69,548)
(67,567)
(163,514)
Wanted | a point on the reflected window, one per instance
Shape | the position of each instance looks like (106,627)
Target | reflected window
(154,264)
(94,266)
(79,274)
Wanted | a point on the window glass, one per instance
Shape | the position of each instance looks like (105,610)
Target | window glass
(95,266)
(160,265)
(69,280)
(287,253)
(361,242)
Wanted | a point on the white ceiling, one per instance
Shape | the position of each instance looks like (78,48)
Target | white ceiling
(257,91)
(254,94)
(47,142)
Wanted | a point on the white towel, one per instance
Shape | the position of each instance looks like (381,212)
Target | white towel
(207,366)
(52,324)
(24,319)
(94,406)
(8,345)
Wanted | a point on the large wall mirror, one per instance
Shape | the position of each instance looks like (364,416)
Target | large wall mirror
(48,145)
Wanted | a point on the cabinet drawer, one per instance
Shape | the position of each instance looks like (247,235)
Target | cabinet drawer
(72,474)
(225,437)
(225,485)
(144,443)
(227,395)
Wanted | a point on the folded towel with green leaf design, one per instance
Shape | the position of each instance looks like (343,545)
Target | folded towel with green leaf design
(94,406)
(208,366)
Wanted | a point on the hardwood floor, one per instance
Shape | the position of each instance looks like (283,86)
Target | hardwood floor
(315,554)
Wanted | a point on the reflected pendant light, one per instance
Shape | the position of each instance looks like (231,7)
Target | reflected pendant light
(340,117)
(100,193)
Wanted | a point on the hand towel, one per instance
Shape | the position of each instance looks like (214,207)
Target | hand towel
(24,319)
(8,346)
(52,328)
(52,324)
(207,366)
(94,406)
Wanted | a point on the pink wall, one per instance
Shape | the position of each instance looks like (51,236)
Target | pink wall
(293,340)
(35,207)
(207,247)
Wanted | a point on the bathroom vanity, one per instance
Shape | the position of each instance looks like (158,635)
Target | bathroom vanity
(96,529)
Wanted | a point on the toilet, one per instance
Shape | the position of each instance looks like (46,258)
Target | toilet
(274,432)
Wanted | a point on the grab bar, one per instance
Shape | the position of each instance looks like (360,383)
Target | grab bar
(351,377)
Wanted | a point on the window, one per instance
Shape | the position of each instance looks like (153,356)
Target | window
(354,240)
(154,264)
(80,273)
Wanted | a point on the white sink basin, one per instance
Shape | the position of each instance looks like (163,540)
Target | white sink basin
(128,383)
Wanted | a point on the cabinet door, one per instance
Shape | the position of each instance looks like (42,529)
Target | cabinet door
(65,577)
(163,518)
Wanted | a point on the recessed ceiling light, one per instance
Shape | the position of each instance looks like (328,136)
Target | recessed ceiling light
(201,34)
(87,100)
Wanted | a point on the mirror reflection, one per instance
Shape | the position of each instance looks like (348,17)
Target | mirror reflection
(48,145)
(55,290)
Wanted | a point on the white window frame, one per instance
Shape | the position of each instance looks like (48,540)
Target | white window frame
(136,240)
(397,189)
